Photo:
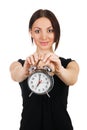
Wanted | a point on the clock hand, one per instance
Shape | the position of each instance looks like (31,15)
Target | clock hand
(38,83)
(39,77)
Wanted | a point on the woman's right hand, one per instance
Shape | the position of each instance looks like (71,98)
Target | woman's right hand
(30,61)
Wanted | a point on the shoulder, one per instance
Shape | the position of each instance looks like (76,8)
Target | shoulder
(21,61)
(70,64)
(65,61)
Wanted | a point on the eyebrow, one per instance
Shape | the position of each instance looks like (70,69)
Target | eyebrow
(40,28)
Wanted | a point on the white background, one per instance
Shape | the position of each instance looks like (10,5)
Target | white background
(15,43)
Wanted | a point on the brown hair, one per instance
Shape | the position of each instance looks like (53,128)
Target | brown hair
(48,14)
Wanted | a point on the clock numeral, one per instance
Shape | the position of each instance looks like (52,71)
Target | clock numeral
(47,82)
(46,86)
(39,74)
(33,78)
(46,78)
(39,90)
(31,82)
(32,86)
(43,89)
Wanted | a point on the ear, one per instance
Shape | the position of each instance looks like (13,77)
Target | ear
(30,31)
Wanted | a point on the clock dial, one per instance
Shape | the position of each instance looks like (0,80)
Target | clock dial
(39,82)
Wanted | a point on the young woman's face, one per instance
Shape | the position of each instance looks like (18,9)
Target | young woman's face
(42,33)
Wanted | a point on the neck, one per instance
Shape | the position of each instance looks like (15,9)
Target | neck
(43,52)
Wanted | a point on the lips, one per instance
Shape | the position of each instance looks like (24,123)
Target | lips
(44,43)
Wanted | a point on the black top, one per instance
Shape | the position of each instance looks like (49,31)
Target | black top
(43,113)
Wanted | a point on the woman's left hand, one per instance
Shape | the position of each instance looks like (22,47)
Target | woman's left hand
(53,61)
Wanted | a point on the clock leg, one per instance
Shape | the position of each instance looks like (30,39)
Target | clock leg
(30,94)
(48,94)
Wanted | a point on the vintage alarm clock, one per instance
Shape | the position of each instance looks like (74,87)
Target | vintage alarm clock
(41,80)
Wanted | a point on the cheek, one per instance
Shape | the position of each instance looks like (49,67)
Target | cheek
(35,38)
(35,42)
(52,40)
(52,37)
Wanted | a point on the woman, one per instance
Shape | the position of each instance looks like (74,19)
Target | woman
(39,111)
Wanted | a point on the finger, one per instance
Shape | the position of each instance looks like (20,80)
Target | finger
(27,63)
(46,57)
(52,66)
(28,60)
(40,57)
(36,57)
(32,60)
(54,58)
(47,61)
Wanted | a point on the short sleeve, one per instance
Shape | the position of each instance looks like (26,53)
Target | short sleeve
(65,62)
(21,61)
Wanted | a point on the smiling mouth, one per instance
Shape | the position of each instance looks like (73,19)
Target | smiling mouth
(44,43)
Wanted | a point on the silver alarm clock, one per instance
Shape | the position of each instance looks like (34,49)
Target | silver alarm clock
(40,81)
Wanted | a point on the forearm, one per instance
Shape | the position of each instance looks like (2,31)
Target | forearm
(68,75)
(18,73)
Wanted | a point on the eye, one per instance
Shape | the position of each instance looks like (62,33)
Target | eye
(37,31)
(50,30)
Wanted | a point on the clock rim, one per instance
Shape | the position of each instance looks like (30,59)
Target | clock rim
(50,77)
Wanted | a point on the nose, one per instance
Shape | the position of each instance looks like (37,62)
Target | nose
(43,35)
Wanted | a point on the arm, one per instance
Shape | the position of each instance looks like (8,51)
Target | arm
(68,75)
(19,72)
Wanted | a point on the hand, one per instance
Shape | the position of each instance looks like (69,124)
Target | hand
(53,61)
(33,59)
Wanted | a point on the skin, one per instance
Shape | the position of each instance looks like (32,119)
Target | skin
(43,36)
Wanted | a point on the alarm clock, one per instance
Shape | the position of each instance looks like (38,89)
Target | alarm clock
(40,81)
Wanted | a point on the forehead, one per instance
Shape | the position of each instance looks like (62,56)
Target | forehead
(42,22)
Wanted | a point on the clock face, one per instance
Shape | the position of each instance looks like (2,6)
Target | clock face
(40,82)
